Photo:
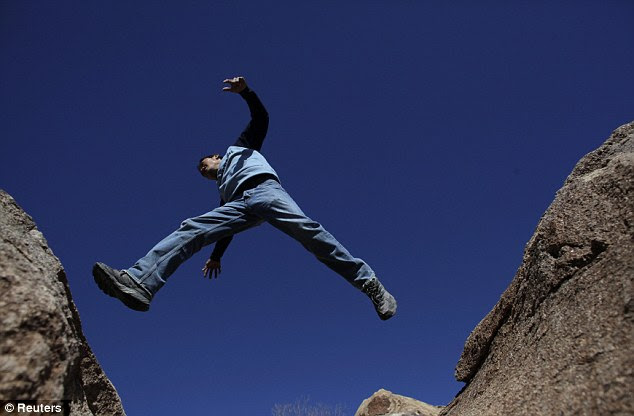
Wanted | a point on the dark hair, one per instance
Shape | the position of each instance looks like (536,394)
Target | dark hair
(200,162)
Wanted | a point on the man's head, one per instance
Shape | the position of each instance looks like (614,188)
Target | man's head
(208,166)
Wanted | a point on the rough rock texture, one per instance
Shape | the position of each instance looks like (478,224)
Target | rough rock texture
(560,340)
(386,403)
(44,355)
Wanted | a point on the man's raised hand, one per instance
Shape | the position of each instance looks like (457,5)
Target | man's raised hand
(236,84)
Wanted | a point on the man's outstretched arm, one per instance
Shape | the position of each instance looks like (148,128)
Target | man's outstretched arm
(255,132)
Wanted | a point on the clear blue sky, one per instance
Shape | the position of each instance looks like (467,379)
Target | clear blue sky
(428,137)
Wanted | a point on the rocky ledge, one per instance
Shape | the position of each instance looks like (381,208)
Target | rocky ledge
(560,341)
(44,354)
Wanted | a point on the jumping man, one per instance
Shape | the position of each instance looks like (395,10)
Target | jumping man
(251,194)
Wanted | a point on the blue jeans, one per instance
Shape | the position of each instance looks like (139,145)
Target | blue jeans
(267,202)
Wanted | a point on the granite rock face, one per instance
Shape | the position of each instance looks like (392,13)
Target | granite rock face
(386,403)
(44,355)
(560,341)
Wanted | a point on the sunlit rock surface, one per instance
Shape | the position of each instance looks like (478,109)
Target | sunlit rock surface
(44,355)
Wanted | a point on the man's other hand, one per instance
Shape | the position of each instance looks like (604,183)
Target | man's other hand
(212,269)
(236,84)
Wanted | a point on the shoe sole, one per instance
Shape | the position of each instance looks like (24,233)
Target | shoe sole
(389,314)
(112,287)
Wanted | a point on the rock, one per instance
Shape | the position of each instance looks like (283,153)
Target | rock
(560,340)
(386,403)
(44,354)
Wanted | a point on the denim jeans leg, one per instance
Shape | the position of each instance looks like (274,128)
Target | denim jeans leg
(194,233)
(280,210)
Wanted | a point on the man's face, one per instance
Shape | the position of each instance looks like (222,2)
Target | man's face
(209,167)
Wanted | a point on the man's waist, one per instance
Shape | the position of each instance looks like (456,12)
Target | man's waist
(254,181)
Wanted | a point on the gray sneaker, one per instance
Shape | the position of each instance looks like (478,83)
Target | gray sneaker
(120,285)
(384,303)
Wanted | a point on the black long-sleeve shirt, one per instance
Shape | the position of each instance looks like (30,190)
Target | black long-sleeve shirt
(251,137)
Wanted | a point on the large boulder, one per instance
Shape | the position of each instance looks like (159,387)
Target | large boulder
(560,340)
(44,356)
